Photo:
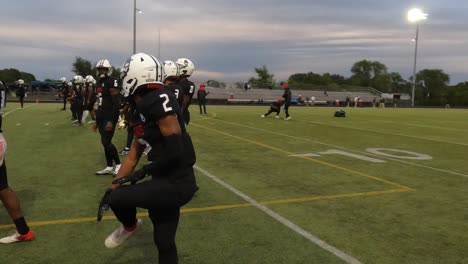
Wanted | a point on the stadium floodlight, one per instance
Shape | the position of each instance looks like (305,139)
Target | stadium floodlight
(415,15)
(135,12)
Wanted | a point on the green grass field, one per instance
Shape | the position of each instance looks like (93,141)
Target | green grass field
(315,171)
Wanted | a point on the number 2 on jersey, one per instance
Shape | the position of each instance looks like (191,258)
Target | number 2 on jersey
(166,101)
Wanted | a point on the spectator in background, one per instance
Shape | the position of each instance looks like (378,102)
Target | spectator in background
(325,93)
(374,102)
(20,91)
(356,101)
(2,95)
(201,96)
(313,100)
(348,101)
(337,102)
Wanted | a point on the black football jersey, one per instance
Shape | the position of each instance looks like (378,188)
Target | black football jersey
(156,105)
(64,88)
(103,95)
(188,88)
(178,92)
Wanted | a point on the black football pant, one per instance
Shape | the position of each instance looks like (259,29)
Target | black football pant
(186,115)
(21,99)
(65,102)
(163,200)
(200,104)
(272,111)
(286,110)
(106,140)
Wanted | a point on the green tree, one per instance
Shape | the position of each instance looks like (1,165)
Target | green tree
(398,84)
(265,78)
(431,86)
(12,75)
(216,84)
(371,74)
(83,67)
(457,95)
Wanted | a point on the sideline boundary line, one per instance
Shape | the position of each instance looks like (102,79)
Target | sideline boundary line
(217,207)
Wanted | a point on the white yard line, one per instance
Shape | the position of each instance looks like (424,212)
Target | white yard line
(357,151)
(11,111)
(383,132)
(324,245)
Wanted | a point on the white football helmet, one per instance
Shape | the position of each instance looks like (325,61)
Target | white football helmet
(186,67)
(63,79)
(20,82)
(78,79)
(171,69)
(104,64)
(90,79)
(140,69)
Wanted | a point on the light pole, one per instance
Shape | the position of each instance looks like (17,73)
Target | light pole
(135,11)
(415,16)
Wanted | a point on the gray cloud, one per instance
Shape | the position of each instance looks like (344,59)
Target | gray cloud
(228,39)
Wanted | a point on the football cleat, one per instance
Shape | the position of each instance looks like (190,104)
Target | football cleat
(120,235)
(16,237)
(106,171)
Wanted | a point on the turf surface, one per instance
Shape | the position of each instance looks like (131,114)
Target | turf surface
(398,210)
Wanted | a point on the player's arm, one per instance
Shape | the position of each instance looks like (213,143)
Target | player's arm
(90,93)
(130,161)
(188,92)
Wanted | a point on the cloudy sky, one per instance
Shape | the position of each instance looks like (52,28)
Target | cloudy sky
(227,39)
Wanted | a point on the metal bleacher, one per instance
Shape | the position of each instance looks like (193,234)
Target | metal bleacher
(266,95)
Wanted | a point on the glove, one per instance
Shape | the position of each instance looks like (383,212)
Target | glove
(133,178)
(104,204)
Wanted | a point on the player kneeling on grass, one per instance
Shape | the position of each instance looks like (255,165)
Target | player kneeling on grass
(275,107)
(172,157)
(11,202)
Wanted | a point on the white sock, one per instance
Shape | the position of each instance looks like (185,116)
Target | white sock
(85,115)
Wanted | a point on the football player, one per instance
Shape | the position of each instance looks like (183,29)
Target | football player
(107,114)
(287,99)
(275,107)
(11,202)
(173,183)
(89,98)
(64,92)
(186,69)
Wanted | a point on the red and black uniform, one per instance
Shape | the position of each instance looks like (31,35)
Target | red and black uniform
(76,103)
(108,112)
(21,93)
(201,97)
(89,96)
(188,90)
(275,107)
(64,90)
(173,181)
(287,99)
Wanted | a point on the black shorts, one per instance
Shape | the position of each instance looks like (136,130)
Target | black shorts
(88,107)
(3,177)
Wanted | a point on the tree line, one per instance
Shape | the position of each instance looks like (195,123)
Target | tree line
(432,85)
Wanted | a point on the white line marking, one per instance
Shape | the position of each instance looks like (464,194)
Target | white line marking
(269,123)
(324,245)
(11,111)
(362,152)
(383,132)
(305,155)
(46,124)
(211,123)
(19,124)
